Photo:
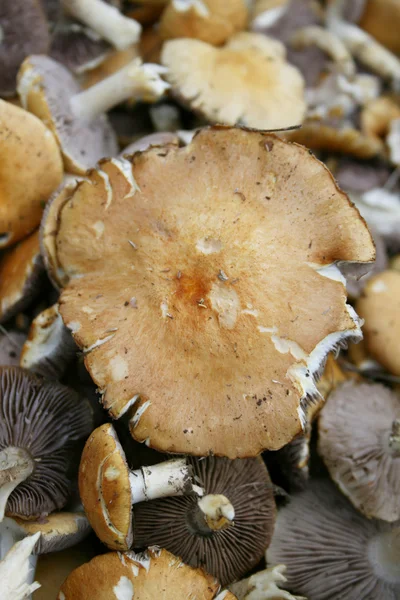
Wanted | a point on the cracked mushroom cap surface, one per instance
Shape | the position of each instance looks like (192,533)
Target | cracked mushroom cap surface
(379,306)
(151,574)
(40,420)
(331,551)
(45,88)
(203,289)
(247,81)
(212,21)
(30,170)
(359,445)
(228,552)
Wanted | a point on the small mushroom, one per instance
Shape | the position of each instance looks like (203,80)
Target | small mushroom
(331,551)
(21,271)
(247,81)
(77,117)
(377,116)
(379,306)
(11,343)
(16,572)
(264,585)
(144,576)
(30,170)
(49,347)
(40,421)
(106,20)
(184,275)
(23,31)
(108,488)
(212,21)
(359,441)
(226,531)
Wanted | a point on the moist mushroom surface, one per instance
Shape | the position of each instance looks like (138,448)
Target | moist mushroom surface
(203,288)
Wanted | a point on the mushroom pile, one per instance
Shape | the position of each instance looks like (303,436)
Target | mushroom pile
(200,299)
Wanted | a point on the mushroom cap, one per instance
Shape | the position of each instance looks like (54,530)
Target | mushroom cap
(354,428)
(323,541)
(381,19)
(379,306)
(30,170)
(114,61)
(24,31)
(159,138)
(142,576)
(78,48)
(186,284)
(21,270)
(44,419)
(225,553)
(58,531)
(247,81)
(377,115)
(11,343)
(45,88)
(212,21)
(105,489)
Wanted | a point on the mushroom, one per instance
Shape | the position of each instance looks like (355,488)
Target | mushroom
(381,19)
(289,465)
(77,117)
(226,531)
(114,61)
(359,441)
(159,138)
(16,571)
(331,551)
(21,272)
(145,576)
(11,343)
(355,286)
(212,21)
(379,306)
(247,81)
(77,48)
(377,116)
(108,488)
(263,585)
(49,347)
(380,207)
(23,30)
(393,141)
(106,20)
(40,421)
(186,276)
(30,170)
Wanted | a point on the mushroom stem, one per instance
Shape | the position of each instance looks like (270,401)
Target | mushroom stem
(105,20)
(17,570)
(16,465)
(213,512)
(329,43)
(136,80)
(170,478)
(384,555)
(394,438)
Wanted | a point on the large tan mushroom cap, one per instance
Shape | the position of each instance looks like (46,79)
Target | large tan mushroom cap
(381,19)
(196,284)
(30,170)
(247,81)
(148,576)
(104,488)
(380,307)
(212,21)
(20,272)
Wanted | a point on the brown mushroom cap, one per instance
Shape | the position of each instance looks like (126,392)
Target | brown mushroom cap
(381,19)
(247,81)
(355,432)
(379,306)
(145,576)
(178,523)
(58,531)
(30,170)
(45,88)
(21,271)
(212,21)
(205,246)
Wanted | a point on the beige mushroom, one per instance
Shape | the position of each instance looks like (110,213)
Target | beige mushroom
(30,170)
(381,19)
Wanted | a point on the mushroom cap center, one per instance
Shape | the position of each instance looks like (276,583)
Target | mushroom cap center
(384,555)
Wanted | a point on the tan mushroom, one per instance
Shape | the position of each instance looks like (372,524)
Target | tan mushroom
(205,247)
(381,19)
(140,576)
(247,81)
(377,116)
(30,170)
(212,21)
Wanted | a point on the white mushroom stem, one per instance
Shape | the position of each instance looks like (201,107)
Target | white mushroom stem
(384,555)
(170,478)
(197,6)
(105,20)
(264,585)
(394,438)
(329,43)
(17,570)
(217,511)
(16,464)
(393,141)
(135,81)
